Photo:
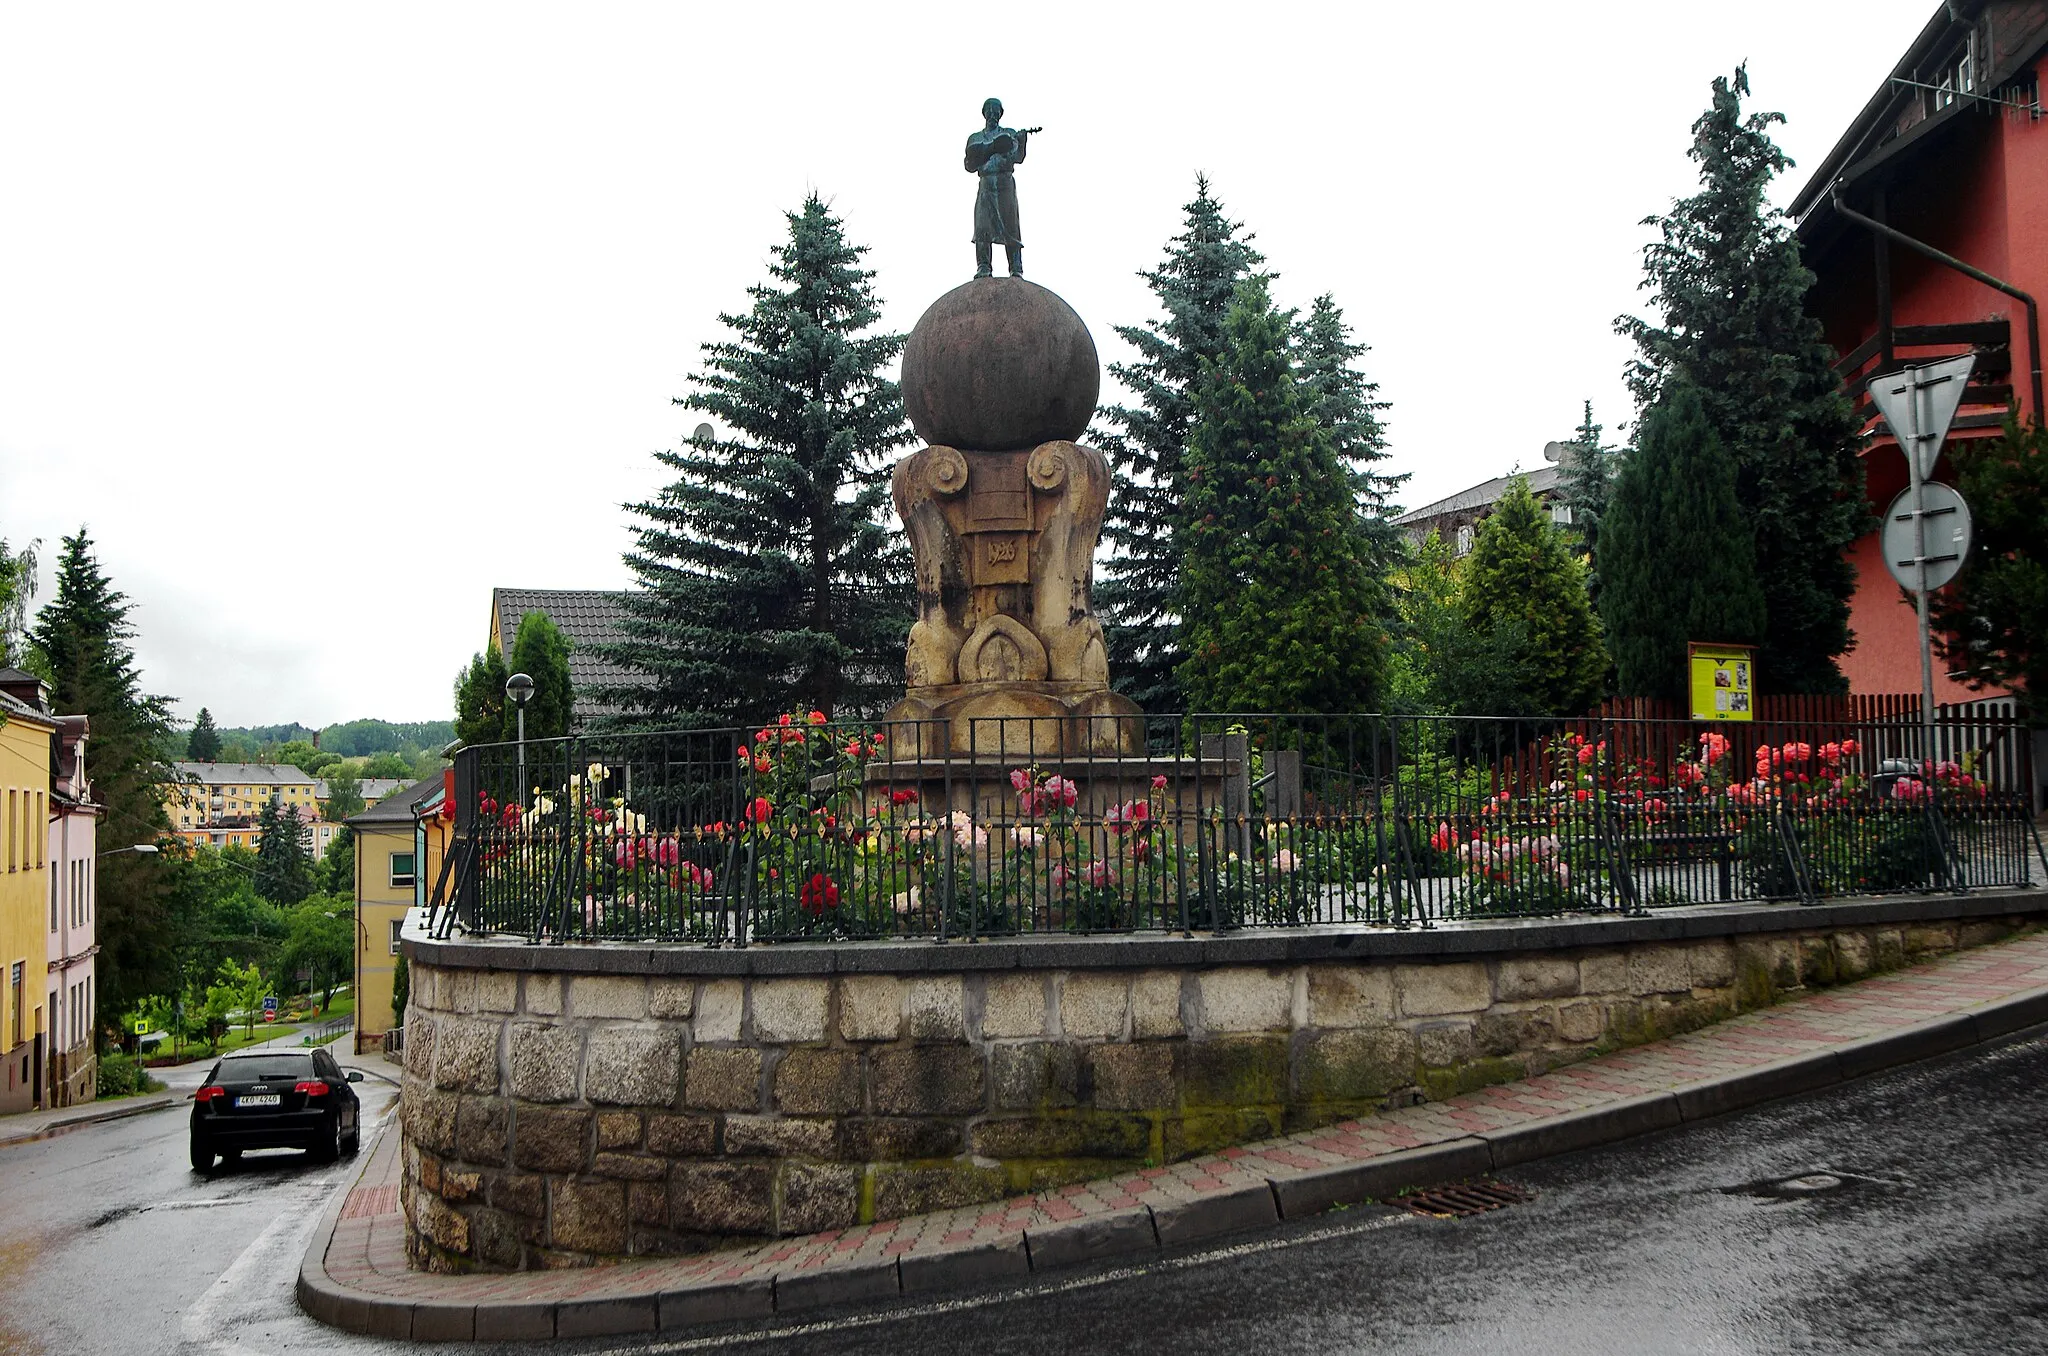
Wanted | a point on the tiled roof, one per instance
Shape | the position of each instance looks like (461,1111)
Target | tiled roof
(588,617)
(1541,480)
(398,809)
(256,774)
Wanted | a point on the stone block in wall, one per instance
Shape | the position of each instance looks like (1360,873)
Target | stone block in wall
(1014,1006)
(421,979)
(1581,1022)
(1350,995)
(722,1198)
(1853,955)
(1094,1004)
(611,997)
(1041,1074)
(1712,962)
(681,1136)
(927,1080)
(1245,998)
(1603,972)
(1659,967)
(1519,978)
(870,1007)
(544,1059)
(815,1082)
(466,1055)
(901,1191)
(551,1138)
(618,1129)
(1155,1004)
(588,1216)
(446,1227)
(790,1011)
(1234,1071)
(1888,947)
(723,1079)
(494,1239)
(1929,939)
(1205,1131)
(935,1009)
(1441,1044)
(481,1125)
(1507,1031)
(521,1193)
(455,991)
(1134,1077)
(721,1006)
(647,1203)
(632,1066)
(671,996)
(629,1167)
(886,1139)
(1983,932)
(818,1196)
(779,1137)
(497,991)
(1441,990)
(1358,1065)
(419,1045)
(541,995)
(1817,961)
(428,1116)
(1078,1134)
(1766,964)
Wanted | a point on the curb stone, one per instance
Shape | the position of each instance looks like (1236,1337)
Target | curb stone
(1144,1230)
(94,1117)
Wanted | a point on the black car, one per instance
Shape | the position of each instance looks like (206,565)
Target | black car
(275,1099)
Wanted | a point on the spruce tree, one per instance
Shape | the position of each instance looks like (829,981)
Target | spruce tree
(480,703)
(1992,622)
(203,744)
(1522,577)
(1146,442)
(541,652)
(1729,286)
(284,862)
(767,577)
(1340,398)
(1585,485)
(82,642)
(1280,606)
(1676,553)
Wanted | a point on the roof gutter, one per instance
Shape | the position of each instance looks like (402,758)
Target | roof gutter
(1968,271)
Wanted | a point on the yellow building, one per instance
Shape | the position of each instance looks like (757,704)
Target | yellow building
(217,803)
(399,843)
(25,742)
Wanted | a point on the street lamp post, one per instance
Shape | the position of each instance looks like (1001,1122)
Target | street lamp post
(146,849)
(519,687)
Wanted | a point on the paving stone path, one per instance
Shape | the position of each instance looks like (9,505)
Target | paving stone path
(356,1274)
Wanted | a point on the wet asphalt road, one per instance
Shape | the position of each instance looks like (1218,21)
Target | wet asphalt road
(1936,1240)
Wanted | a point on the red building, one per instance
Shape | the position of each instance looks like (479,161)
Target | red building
(1949,157)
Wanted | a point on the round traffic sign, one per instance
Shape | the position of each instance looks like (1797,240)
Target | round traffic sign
(1948,536)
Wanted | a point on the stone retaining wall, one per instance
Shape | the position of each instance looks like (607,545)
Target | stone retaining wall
(558,1118)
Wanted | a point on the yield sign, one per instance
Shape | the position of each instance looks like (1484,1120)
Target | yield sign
(1920,402)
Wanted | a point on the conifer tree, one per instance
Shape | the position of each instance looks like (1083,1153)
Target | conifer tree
(1522,576)
(1441,664)
(1280,606)
(1676,554)
(1992,622)
(541,652)
(1146,442)
(1347,405)
(1585,485)
(1729,286)
(82,641)
(202,745)
(480,704)
(768,580)
(284,863)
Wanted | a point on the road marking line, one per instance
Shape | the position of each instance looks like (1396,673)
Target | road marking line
(297,1219)
(897,1313)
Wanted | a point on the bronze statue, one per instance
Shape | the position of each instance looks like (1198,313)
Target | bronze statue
(994,153)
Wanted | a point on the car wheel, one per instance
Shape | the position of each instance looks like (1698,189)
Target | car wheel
(202,1155)
(329,1146)
(354,1139)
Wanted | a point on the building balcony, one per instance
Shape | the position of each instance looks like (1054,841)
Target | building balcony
(1986,398)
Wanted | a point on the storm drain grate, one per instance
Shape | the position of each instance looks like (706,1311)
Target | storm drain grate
(1469,1198)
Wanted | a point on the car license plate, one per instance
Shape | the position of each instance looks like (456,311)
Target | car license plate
(258,1099)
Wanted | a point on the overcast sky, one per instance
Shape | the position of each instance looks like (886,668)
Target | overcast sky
(325,320)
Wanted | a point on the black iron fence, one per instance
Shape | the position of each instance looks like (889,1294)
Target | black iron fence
(812,830)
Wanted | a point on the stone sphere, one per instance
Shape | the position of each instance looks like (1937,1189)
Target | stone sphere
(1000,364)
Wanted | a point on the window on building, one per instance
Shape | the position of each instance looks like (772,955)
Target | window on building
(53,901)
(1561,514)
(397,926)
(1465,540)
(14,996)
(401,868)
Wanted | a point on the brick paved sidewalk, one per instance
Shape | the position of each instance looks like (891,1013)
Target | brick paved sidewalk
(356,1277)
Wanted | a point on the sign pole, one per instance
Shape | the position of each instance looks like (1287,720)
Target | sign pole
(1919,411)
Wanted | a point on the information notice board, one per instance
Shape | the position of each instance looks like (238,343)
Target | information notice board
(1722,681)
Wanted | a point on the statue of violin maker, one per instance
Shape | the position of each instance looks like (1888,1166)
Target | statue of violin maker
(994,153)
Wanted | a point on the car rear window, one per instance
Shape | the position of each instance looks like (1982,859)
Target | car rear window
(265,1068)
